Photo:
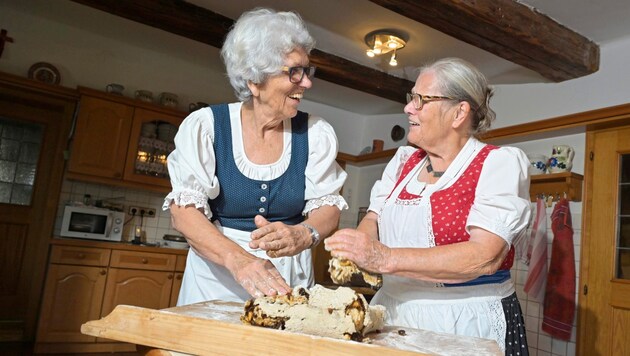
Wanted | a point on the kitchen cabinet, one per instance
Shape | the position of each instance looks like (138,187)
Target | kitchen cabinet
(111,143)
(73,293)
(140,279)
(86,280)
(100,138)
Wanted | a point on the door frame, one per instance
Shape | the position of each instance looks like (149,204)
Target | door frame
(54,107)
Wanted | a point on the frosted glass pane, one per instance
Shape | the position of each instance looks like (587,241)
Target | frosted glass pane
(20,146)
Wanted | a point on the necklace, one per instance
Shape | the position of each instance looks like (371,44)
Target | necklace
(436,174)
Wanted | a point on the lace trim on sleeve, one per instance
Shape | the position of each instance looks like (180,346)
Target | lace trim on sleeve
(331,200)
(188,197)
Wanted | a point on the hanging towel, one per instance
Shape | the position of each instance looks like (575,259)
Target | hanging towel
(560,292)
(524,243)
(537,255)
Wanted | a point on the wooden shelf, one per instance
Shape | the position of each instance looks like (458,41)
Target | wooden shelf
(557,184)
(366,159)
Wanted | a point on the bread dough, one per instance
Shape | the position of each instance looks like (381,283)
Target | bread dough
(345,272)
(338,313)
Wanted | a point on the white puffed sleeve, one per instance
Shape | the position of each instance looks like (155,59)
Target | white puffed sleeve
(502,197)
(382,187)
(324,177)
(191,165)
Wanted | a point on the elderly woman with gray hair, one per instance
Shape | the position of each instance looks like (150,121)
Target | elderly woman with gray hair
(443,218)
(255,183)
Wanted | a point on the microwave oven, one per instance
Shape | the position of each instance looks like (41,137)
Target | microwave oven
(92,223)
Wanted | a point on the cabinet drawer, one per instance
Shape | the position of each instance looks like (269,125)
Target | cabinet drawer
(86,256)
(143,260)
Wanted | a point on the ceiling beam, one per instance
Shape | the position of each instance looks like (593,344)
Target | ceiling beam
(509,30)
(200,24)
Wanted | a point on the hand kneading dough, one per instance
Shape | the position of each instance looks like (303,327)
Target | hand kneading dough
(344,272)
(338,313)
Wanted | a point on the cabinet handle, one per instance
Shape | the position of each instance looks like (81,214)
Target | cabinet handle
(145,261)
(170,276)
(179,277)
(103,272)
(81,256)
(117,175)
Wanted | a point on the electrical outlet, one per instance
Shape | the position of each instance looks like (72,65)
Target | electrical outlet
(141,211)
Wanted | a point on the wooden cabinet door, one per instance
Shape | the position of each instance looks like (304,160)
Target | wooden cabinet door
(101,138)
(177,285)
(142,288)
(149,165)
(73,295)
(604,310)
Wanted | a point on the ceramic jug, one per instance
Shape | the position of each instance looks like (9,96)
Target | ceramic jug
(144,95)
(537,163)
(196,106)
(561,159)
(168,99)
(114,88)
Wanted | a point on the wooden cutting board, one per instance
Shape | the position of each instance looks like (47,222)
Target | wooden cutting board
(214,328)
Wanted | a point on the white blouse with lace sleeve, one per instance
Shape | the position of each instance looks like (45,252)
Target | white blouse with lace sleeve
(501,203)
(192,164)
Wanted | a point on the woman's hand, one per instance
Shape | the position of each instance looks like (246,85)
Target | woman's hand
(279,239)
(258,276)
(358,247)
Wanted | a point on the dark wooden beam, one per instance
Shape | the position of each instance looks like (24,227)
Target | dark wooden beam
(200,24)
(509,30)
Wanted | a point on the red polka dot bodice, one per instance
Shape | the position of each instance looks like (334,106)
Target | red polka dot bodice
(450,207)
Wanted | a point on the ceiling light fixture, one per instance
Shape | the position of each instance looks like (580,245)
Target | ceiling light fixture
(384,41)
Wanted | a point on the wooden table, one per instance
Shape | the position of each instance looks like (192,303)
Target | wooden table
(214,328)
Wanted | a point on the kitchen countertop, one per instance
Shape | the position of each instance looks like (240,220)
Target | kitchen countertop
(64,241)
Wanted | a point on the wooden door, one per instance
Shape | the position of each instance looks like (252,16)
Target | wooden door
(101,137)
(148,289)
(146,158)
(35,124)
(73,295)
(605,292)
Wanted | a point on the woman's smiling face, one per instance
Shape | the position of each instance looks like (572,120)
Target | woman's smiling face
(278,95)
(426,126)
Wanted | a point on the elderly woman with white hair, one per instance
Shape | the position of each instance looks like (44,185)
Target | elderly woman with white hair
(444,216)
(255,183)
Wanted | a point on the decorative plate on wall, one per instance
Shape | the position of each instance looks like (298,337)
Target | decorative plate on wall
(45,73)
(397,133)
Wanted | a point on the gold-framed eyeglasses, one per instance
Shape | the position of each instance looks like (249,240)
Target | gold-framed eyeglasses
(296,74)
(419,100)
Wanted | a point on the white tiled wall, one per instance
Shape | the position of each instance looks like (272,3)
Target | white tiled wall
(154,228)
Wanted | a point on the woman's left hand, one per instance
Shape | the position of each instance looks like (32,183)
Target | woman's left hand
(279,239)
(358,247)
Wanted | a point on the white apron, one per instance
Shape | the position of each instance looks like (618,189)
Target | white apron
(205,280)
(470,310)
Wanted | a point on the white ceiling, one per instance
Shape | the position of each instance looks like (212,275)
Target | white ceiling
(340,27)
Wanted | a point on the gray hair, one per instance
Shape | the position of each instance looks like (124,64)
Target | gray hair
(257,45)
(461,81)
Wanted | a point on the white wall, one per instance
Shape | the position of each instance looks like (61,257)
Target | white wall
(517,104)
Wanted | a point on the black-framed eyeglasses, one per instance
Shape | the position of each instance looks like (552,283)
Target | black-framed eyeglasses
(419,100)
(296,74)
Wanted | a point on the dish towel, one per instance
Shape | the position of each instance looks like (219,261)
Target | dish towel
(537,255)
(560,292)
